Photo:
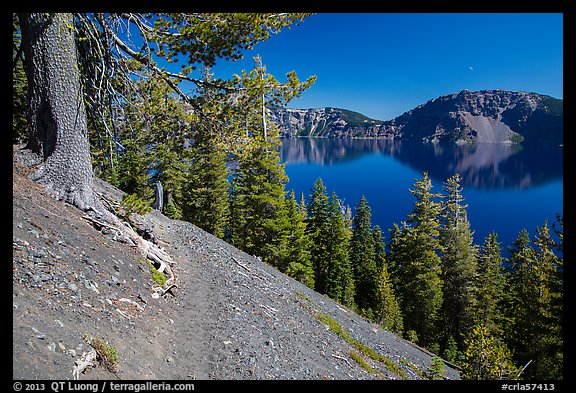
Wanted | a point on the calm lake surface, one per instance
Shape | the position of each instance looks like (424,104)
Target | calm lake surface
(507,187)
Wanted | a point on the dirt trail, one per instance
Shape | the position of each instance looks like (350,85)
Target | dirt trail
(231,316)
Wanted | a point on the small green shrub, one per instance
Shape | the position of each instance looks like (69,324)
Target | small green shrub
(390,365)
(172,211)
(157,276)
(131,204)
(436,369)
(108,356)
(412,336)
(451,352)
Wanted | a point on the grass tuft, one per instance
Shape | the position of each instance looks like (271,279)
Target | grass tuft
(335,327)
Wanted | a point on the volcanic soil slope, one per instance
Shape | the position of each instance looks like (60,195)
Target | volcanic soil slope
(230,317)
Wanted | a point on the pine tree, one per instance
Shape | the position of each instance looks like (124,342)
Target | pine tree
(329,239)
(559,232)
(386,309)
(363,256)
(459,261)
(132,169)
(379,247)
(534,308)
(520,299)
(302,207)
(56,111)
(451,352)
(397,250)
(547,350)
(170,170)
(435,370)
(153,137)
(258,214)
(167,121)
(491,284)
(555,356)
(486,357)
(205,193)
(415,263)
(340,277)
(295,260)
(317,229)
(343,276)
(258,195)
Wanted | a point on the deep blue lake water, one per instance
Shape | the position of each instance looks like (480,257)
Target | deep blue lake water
(507,187)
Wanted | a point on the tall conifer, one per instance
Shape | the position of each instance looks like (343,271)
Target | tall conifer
(491,284)
(379,247)
(386,308)
(295,260)
(547,350)
(459,261)
(258,212)
(534,308)
(205,193)
(521,305)
(317,228)
(340,280)
(329,246)
(414,258)
(363,256)
(258,200)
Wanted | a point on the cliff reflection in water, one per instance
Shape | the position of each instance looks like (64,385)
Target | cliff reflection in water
(489,166)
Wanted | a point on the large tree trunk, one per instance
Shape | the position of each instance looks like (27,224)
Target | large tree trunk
(57,115)
(58,126)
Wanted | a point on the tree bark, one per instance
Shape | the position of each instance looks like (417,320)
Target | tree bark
(57,114)
(58,124)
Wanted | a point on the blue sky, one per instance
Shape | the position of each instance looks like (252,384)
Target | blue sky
(384,64)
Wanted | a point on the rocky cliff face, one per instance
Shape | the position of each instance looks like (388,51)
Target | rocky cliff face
(324,122)
(486,116)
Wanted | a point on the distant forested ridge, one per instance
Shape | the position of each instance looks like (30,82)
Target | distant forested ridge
(486,116)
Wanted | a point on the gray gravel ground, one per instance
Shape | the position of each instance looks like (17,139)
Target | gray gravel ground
(232,316)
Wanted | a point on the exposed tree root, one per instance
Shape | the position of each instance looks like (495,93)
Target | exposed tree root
(86,361)
(103,218)
(101,212)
